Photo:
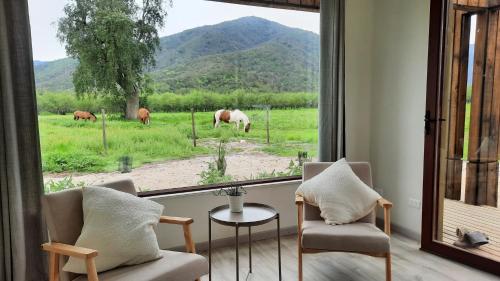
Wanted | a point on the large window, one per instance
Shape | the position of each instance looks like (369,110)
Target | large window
(218,65)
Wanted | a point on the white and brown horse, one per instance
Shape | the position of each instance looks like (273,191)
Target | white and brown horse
(84,115)
(234,116)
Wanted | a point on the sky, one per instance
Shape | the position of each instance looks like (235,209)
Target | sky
(473,21)
(183,15)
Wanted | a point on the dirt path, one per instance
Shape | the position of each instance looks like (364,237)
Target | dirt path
(244,161)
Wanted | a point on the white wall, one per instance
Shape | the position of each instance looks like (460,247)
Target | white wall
(359,65)
(398,104)
(197,205)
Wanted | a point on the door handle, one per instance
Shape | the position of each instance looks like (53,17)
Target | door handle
(428,120)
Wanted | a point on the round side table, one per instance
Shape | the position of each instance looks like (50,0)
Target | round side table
(253,214)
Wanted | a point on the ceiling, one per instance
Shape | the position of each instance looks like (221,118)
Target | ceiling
(304,5)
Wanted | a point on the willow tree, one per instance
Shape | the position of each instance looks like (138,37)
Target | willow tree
(114,42)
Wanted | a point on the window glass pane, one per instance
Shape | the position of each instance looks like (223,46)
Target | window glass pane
(231,95)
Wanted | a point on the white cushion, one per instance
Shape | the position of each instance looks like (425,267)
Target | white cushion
(340,195)
(119,226)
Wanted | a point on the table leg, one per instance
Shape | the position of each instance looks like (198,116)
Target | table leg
(209,248)
(250,248)
(279,245)
(237,254)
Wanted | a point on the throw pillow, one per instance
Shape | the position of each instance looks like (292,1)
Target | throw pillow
(340,194)
(119,226)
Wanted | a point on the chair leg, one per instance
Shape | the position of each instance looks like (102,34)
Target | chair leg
(388,273)
(54,267)
(91,270)
(300,263)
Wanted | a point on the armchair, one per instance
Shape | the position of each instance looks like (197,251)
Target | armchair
(363,237)
(64,216)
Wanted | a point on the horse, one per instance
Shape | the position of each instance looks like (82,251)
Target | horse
(143,116)
(235,116)
(85,115)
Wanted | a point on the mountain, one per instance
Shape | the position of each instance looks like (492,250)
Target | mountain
(39,63)
(55,75)
(249,53)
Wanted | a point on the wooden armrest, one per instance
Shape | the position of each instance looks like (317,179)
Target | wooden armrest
(299,200)
(384,203)
(387,205)
(185,222)
(69,250)
(57,249)
(176,220)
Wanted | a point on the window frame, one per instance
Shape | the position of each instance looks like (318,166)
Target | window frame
(293,5)
(298,5)
(209,187)
(309,6)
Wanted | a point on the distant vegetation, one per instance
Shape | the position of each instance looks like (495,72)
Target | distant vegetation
(205,101)
(63,103)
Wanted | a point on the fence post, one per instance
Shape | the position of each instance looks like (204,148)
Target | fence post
(267,123)
(104,140)
(193,126)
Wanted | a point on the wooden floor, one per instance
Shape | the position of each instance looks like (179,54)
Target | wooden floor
(481,218)
(409,264)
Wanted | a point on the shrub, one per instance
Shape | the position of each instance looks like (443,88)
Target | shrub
(294,169)
(65,183)
(58,103)
(60,162)
(221,158)
(65,102)
(216,172)
(212,175)
(207,101)
(91,104)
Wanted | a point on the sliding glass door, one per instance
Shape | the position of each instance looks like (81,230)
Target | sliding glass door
(463,139)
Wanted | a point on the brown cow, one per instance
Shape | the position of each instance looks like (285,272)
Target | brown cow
(85,115)
(143,116)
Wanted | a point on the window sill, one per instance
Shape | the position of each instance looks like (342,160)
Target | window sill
(211,187)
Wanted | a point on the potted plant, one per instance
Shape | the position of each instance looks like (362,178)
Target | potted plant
(235,195)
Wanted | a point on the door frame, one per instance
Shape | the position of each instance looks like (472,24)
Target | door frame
(430,200)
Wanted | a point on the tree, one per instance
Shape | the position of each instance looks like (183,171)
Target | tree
(114,42)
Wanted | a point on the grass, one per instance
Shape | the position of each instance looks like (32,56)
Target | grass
(76,146)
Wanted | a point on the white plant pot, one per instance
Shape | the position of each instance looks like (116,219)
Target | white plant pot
(236,203)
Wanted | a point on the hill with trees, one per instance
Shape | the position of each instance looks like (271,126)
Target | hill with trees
(250,53)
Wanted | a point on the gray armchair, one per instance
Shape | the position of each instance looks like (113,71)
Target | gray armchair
(363,237)
(64,216)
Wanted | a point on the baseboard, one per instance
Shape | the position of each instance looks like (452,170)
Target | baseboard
(269,234)
(229,241)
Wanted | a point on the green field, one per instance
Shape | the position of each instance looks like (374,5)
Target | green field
(76,146)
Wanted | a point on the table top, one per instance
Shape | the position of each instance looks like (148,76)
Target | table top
(253,214)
